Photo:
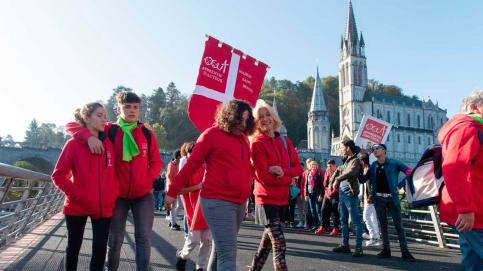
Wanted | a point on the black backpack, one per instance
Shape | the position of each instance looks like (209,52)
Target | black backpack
(111,134)
(158,184)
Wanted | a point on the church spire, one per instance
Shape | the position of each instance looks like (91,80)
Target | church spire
(351,36)
(318,102)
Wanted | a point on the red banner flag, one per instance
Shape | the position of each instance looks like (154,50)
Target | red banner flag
(225,74)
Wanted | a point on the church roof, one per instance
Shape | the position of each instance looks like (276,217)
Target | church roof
(351,28)
(318,101)
(378,97)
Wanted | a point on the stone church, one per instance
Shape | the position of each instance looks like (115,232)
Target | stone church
(416,123)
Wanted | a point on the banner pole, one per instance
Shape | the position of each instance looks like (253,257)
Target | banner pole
(192,226)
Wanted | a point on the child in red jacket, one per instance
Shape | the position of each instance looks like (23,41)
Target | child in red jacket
(92,190)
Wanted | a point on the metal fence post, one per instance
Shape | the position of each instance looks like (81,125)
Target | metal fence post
(437,226)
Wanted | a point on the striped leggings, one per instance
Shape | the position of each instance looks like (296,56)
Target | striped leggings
(272,238)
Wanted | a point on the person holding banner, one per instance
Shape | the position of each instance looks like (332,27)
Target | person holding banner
(276,163)
(198,229)
(226,187)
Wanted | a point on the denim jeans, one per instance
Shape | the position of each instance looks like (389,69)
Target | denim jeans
(471,246)
(158,199)
(382,206)
(348,206)
(308,215)
(224,219)
(314,206)
(143,215)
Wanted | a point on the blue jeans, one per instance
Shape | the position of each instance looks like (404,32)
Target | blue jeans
(143,214)
(348,206)
(314,206)
(308,216)
(158,199)
(471,246)
(382,206)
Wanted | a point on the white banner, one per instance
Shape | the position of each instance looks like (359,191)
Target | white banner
(372,131)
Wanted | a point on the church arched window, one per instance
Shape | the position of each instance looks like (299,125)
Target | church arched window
(398,138)
(379,114)
(342,75)
(419,140)
(316,138)
(429,140)
(409,120)
(356,78)
(398,118)
(325,138)
(409,139)
(360,75)
(419,122)
(311,139)
(347,74)
(388,116)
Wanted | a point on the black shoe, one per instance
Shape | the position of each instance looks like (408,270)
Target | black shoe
(385,253)
(406,255)
(169,225)
(180,263)
(199,269)
(176,227)
(342,249)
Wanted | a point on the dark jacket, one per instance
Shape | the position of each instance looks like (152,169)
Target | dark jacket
(318,187)
(350,171)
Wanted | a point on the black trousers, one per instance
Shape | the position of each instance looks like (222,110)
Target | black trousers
(75,235)
(330,206)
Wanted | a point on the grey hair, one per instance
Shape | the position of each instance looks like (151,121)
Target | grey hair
(475,97)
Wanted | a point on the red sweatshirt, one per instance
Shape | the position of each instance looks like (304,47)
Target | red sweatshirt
(135,177)
(227,159)
(190,200)
(171,173)
(93,189)
(463,189)
(268,151)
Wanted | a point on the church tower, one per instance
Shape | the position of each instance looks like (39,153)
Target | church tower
(318,126)
(352,78)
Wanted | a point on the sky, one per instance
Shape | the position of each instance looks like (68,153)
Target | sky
(55,56)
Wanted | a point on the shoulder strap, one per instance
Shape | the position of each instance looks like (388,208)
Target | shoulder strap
(111,134)
(285,143)
(480,136)
(147,135)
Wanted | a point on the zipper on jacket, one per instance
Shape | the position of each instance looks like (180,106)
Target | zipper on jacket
(241,145)
(130,177)
(99,181)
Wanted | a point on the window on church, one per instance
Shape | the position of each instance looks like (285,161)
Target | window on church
(419,140)
(342,74)
(388,116)
(356,78)
(360,74)
(429,141)
(419,122)
(409,120)
(398,138)
(409,139)
(441,122)
(398,118)
(347,74)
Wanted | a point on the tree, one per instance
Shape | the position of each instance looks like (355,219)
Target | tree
(32,135)
(144,108)
(330,86)
(111,105)
(9,139)
(160,135)
(156,102)
(46,133)
(172,96)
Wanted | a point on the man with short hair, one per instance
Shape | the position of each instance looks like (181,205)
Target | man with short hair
(345,179)
(138,163)
(384,177)
(172,172)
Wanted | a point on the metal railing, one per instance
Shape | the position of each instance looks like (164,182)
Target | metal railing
(26,199)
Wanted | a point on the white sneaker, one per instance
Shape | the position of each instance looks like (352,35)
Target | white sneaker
(373,243)
(366,236)
(300,225)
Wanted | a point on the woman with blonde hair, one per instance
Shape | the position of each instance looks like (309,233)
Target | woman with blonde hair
(276,163)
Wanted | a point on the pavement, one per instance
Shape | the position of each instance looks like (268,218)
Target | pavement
(305,251)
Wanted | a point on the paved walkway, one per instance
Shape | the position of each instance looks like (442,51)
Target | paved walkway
(43,250)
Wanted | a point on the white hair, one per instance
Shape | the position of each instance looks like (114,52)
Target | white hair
(256,114)
(475,97)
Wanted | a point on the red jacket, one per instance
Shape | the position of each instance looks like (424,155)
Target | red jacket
(93,189)
(227,174)
(171,173)
(191,199)
(463,189)
(334,194)
(135,177)
(268,151)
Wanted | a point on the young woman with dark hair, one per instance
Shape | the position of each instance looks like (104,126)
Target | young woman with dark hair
(92,190)
(226,185)
(276,164)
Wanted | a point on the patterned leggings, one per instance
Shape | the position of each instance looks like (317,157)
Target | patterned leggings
(272,238)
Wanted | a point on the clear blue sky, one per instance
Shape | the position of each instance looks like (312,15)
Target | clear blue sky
(56,56)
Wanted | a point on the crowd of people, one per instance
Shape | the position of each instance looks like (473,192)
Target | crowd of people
(242,167)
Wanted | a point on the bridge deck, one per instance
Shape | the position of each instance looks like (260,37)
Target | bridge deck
(305,251)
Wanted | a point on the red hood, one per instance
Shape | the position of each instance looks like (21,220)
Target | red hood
(451,124)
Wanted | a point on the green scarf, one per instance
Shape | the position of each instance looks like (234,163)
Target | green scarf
(478,119)
(129,147)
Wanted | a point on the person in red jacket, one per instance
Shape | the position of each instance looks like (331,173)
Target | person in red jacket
(276,164)
(92,190)
(199,233)
(226,186)
(138,164)
(462,194)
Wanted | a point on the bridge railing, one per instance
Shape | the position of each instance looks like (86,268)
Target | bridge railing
(26,199)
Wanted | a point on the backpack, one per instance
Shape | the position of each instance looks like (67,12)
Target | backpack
(111,134)
(424,184)
(158,184)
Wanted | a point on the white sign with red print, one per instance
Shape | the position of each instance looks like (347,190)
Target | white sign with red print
(372,131)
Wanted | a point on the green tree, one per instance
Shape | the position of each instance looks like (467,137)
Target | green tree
(173,96)
(143,108)
(156,102)
(8,139)
(160,135)
(46,132)
(32,135)
(330,86)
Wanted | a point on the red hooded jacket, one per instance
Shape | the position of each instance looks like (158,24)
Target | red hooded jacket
(268,151)
(135,177)
(463,189)
(190,200)
(93,189)
(227,174)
